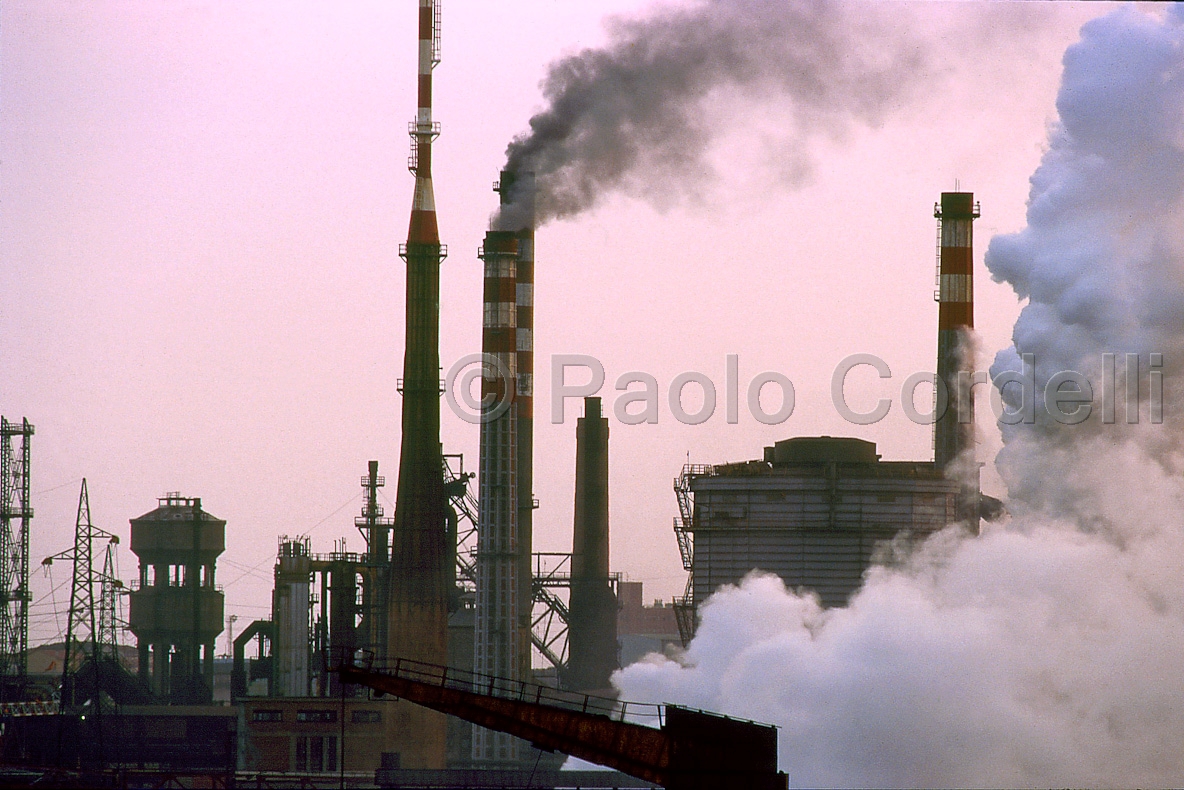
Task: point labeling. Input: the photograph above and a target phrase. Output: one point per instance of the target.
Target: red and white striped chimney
(424, 130)
(497, 646)
(953, 436)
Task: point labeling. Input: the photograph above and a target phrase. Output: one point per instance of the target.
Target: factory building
(642, 629)
(817, 511)
(306, 736)
(814, 511)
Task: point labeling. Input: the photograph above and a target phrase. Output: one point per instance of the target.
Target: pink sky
(202, 203)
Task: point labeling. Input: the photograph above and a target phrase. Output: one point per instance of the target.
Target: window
(316, 715)
(316, 753)
(267, 715)
(366, 716)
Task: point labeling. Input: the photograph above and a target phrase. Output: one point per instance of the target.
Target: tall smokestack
(517, 190)
(592, 625)
(419, 578)
(497, 645)
(953, 435)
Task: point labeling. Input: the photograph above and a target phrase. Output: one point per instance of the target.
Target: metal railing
(644, 713)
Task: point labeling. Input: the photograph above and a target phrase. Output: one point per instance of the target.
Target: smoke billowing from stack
(497, 641)
(592, 627)
(953, 433)
(634, 116)
(420, 578)
(1050, 650)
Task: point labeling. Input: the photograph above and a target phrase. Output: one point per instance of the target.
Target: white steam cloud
(1049, 651)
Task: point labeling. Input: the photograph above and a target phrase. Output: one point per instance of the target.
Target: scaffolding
(552, 570)
(685, 608)
(16, 511)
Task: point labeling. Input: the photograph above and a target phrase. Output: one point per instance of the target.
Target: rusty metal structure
(687, 750)
(420, 578)
(592, 624)
(176, 609)
(953, 434)
(16, 513)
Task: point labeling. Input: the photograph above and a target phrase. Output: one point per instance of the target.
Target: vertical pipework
(592, 629)
(418, 580)
(375, 590)
(518, 188)
(953, 439)
(343, 589)
(291, 599)
(496, 646)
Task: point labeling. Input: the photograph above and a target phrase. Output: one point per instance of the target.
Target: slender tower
(592, 625)
(16, 513)
(419, 579)
(953, 435)
(516, 190)
(496, 644)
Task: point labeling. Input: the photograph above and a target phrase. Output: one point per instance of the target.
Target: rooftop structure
(813, 510)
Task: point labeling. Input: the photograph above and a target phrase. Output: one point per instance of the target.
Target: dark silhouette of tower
(16, 511)
(420, 578)
(592, 628)
(176, 613)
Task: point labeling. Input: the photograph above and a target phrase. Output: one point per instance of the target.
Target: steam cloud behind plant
(1049, 651)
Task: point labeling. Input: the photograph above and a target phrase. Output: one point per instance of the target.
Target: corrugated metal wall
(814, 526)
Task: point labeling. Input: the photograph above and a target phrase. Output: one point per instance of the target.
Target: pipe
(238, 672)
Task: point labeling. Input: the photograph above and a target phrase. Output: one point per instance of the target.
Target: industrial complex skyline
(203, 211)
(713, 236)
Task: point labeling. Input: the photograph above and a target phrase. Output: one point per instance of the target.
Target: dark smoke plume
(636, 115)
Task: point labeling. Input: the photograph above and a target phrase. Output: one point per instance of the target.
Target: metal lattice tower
(110, 614)
(16, 511)
(88, 620)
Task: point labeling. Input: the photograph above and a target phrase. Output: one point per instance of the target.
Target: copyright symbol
(460, 380)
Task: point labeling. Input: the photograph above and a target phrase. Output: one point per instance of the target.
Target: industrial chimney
(497, 647)
(516, 191)
(592, 625)
(420, 579)
(953, 437)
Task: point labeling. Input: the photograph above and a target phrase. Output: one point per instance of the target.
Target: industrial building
(817, 511)
(813, 510)
(642, 629)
